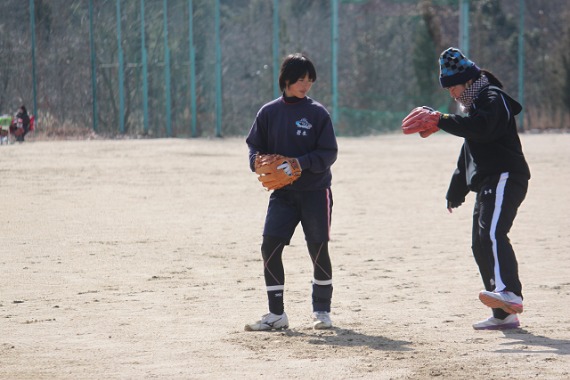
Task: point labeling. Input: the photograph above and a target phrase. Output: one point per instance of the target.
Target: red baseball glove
(276, 171)
(423, 120)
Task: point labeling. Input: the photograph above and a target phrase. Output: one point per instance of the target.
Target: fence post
(93, 68)
(276, 89)
(121, 73)
(167, 71)
(192, 67)
(218, 72)
(334, 49)
(521, 62)
(33, 32)
(464, 26)
(144, 68)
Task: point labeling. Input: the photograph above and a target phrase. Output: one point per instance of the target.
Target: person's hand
(423, 120)
(453, 204)
(276, 171)
(288, 168)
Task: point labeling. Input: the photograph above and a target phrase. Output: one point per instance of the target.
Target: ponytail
(493, 80)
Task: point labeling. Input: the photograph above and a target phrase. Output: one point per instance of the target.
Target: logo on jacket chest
(303, 126)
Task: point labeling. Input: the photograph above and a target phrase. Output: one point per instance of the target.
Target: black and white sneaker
(269, 322)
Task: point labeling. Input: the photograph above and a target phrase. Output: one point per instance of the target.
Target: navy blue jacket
(303, 130)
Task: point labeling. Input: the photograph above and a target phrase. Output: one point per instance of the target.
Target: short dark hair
(294, 67)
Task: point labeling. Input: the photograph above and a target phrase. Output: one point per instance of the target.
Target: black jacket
(25, 120)
(492, 145)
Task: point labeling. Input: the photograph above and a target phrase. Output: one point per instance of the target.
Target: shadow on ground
(528, 339)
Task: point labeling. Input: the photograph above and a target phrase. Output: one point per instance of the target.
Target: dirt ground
(139, 259)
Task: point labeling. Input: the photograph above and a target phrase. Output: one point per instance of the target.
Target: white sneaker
(268, 322)
(508, 301)
(511, 322)
(322, 320)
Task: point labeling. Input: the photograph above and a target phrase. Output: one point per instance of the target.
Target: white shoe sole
(269, 328)
(495, 303)
(500, 326)
(319, 325)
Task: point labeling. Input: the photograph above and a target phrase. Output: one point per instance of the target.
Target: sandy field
(140, 259)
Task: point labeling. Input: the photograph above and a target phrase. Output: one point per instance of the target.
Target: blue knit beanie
(455, 68)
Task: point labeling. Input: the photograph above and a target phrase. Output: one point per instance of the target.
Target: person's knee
(321, 260)
(270, 246)
(316, 248)
(484, 236)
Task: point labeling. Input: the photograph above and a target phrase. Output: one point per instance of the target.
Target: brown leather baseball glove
(276, 171)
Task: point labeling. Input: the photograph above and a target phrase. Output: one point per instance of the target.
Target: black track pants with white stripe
(495, 210)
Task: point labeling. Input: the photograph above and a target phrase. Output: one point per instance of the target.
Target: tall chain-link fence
(204, 67)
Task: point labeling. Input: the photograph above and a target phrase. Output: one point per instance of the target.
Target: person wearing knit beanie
(492, 165)
(455, 68)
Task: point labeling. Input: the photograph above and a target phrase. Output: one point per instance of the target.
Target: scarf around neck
(467, 97)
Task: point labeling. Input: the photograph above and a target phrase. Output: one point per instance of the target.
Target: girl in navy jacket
(296, 126)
